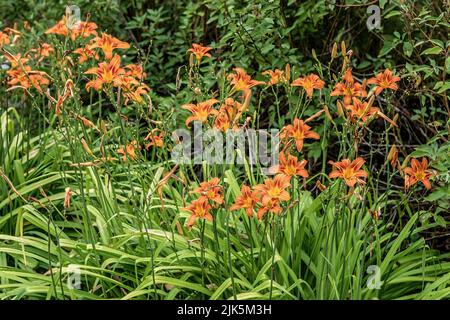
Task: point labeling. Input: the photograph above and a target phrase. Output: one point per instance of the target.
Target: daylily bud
(287, 72)
(340, 109)
(393, 156)
(343, 49)
(334, 51)
(104, 127)
(86, 147)
(191, 60)
(327, 112)
(395, 118)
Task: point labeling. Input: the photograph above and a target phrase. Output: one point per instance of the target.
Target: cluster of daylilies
(95, 49)
(273, 195)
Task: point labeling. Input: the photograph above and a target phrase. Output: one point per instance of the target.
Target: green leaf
(433, 50)
(407, 48)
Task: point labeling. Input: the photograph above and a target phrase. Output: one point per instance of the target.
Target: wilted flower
(67, 197)
(155, 139)
(128, 151)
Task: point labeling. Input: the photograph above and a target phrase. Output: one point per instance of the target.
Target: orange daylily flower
(45, 50)
(246, 200)
(349, 88)
(211, 189)
(384, 80)
(4, 39)
(84, 30)
(199, 51)
(299, 131)
(360, 110)
(228, 115)
(418, 172)
(107, 73)
(272, 206)
(274, 189)
(156, 139)
(59, 28)
(200, 111)
(290, 166)
(135, 71)
(276, 76)
(24, 77)
(199, 209)
(108, 43)
(309, 83)
(393, 156)
(135, 94)
(129, 151)
(9, 32)
(348, 170)
(272, 192)
(241, 81)
(85, 54)
(16, 60)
